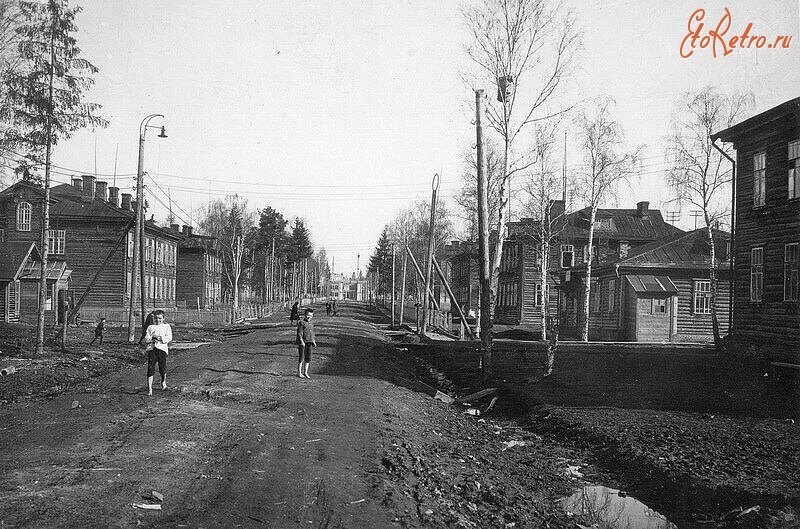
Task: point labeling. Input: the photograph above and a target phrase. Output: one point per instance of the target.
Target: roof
(681, 250)
(205, 243)
(647, 284)
(789, 107)
(55, 270)
(67, 202)
(624, 224)
(15, 254)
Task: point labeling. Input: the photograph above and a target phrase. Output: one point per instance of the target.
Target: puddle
(606, 508)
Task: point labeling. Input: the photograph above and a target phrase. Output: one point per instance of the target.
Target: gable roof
(647, 284)
(681, 250)
(13, 256)
(786, 108)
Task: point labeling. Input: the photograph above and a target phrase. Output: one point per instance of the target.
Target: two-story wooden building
(766, 234)
(93, 232)
(199, 281)
(521, 294)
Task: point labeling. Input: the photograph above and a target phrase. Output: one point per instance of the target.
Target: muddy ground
(238, 441)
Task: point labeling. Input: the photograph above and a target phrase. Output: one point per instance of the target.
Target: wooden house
(766, 233)
(199, 270)
(521, 294)
(461, 268)
(660, 292)
(20, 270)
(94, 233)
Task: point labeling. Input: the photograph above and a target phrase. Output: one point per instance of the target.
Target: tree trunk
(544, 269)
(46, 205)
(587, 288)
(712, 277)
(483, 242)
(502, 220)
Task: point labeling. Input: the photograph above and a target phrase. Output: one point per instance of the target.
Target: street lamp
(138, 233)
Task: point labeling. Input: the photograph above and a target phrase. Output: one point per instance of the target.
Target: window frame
(54, 236)
(24, 214)
(567, 248)
(660, 303)
(793, 176)
(759, 179)
(791, 272)
(756, 274)
(701, 295)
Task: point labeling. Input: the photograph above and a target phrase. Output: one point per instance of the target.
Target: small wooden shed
(651, 308)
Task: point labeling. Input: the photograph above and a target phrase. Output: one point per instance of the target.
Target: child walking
(157, 337)
(98, 331)
(305, 340)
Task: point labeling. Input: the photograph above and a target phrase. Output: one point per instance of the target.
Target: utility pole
(272, 272)
(429, 264)
(403, 288)
(483, 242)
(137, 257)
(393, 285)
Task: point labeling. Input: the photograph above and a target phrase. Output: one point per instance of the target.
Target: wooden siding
(772, 321)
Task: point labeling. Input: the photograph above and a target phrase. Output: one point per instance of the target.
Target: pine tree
(43, 103)
(380, 263)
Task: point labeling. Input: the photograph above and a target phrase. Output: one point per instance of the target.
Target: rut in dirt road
(240, 441)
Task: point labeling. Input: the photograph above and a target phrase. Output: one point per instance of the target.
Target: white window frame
(567, 248)
(759, 179)
(793, 180)
(56, 242)
(757, 274)
(791, 271)
(24, 216)
(538, 295)
(660, 303)
(701, 296)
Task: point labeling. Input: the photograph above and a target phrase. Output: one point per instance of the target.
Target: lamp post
(137, 260)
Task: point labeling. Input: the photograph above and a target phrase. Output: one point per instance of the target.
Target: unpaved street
(238, 441)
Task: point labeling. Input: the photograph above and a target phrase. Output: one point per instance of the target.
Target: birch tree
(466, 198)
(230, 221)
(606, 164)
(543, 185)
(525, 49)
(698, 173)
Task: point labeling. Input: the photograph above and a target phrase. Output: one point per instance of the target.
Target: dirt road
(238, 441)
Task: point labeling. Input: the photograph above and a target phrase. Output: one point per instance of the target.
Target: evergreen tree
(43, 102)
(380, 263)
(299, 242)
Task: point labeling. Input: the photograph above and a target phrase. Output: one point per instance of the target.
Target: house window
(595, 299)
(702, 297)
(612, 291)
(794, 169)
(2, 235)
(756, 274)
(791, 277)
(658, 306)
(567, 255)
(55, 241)
(537, 294)
(24, 216)
(759, 179)
(586, 253)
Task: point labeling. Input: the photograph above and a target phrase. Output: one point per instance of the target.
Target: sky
(341, 112)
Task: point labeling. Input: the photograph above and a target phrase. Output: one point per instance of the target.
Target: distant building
(199, 270)
(20, 270)
(462, 271)
(766, 234)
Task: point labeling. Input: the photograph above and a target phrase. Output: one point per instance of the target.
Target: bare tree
(466, 198)
(697, 171)
(230, 221)
(606, 165)
(530, 45)
(543, 185)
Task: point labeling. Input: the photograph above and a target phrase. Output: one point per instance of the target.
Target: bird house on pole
(505, 84)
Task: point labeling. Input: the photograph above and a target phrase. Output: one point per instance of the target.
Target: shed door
(654, 319)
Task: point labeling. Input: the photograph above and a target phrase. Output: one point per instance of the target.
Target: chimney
(642, 208)
(88, 187)
(101, 190)
(113, 196)
(126, 202)
(175, 227)
(77, 183)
